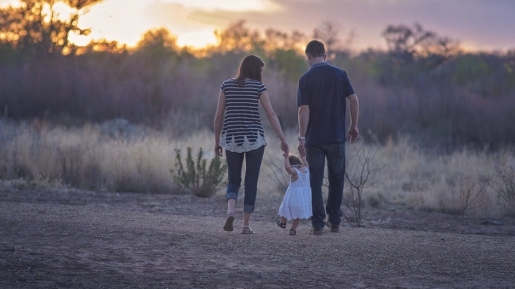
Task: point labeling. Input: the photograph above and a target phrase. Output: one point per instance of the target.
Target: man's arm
(354, 116)
(303, 116)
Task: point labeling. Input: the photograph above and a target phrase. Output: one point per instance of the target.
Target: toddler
(296, 203)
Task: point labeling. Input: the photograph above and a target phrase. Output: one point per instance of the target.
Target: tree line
(423, 85)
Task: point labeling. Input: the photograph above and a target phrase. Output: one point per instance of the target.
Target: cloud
(482, 24)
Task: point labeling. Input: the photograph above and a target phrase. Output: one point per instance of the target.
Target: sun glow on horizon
(7, 3)
(228, 5)
(126, 24)
(114, 20)
(197, 39)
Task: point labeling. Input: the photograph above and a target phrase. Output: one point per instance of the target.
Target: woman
(242, 135)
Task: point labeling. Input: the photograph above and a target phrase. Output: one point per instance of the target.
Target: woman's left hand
(284, 147)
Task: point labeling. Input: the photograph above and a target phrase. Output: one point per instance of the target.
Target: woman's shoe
(228, 222)
(293, 232)
(247, 230)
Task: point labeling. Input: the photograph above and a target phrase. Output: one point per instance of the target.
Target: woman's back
(242, 128)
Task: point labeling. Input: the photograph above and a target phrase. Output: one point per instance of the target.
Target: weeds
(139, 159)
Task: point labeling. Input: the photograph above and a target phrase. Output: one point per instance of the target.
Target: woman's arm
(219, 115)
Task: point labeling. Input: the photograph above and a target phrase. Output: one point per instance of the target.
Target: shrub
(195, 177)
(71, 163)
(505, 188)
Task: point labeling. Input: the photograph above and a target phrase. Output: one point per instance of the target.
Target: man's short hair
(315, 48)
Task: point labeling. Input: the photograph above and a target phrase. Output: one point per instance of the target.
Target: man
(321, 98)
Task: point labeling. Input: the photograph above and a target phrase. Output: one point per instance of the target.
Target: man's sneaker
(334, 228)
(314, 231)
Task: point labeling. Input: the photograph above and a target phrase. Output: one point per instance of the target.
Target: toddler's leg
(295, 223)
(282, 222)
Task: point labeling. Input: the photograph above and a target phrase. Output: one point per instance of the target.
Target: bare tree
(407, 43)
(471, 193)
(505, 187)
(36, 28)
(330, 34)
(359, 174)
(238, 38)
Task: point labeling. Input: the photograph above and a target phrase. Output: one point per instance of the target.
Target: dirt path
(89, 240)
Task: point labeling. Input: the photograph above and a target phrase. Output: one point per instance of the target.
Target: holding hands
(285, 148)
(302, 147)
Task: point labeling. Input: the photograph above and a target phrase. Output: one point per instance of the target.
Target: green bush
(195, 177)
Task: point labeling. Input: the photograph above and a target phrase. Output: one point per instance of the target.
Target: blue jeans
(316, 156)
(253, 161)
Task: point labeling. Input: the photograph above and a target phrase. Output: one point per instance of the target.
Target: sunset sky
(477, 24)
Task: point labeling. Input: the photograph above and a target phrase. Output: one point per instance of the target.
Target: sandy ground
(70, 239)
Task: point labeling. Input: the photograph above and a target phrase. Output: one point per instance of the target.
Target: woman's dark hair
(315, 48)
(294, 160)
(250, 67)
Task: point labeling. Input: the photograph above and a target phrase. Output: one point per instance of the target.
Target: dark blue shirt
(325, 89)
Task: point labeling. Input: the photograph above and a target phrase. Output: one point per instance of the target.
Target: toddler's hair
(294, 160)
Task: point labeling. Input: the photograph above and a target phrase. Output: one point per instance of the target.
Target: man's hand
(353, 133)
(302, 148)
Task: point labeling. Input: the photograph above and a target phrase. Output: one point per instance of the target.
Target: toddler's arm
(304, 161)
(287, 166)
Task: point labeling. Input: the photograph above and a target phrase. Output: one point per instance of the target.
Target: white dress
(297, 199)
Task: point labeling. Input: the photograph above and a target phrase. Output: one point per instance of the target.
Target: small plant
(196, 177)
(359, 175)
(505, 187)
(471, 193)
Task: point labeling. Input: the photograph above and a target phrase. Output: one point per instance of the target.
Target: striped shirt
(242, 130)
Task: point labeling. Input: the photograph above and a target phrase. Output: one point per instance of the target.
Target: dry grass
(120, 157)
(440, 182)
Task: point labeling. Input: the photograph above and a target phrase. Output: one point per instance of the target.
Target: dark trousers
(316, 157)
(253, 161)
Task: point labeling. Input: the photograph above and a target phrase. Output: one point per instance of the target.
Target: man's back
(325, 88)
(321, 98)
